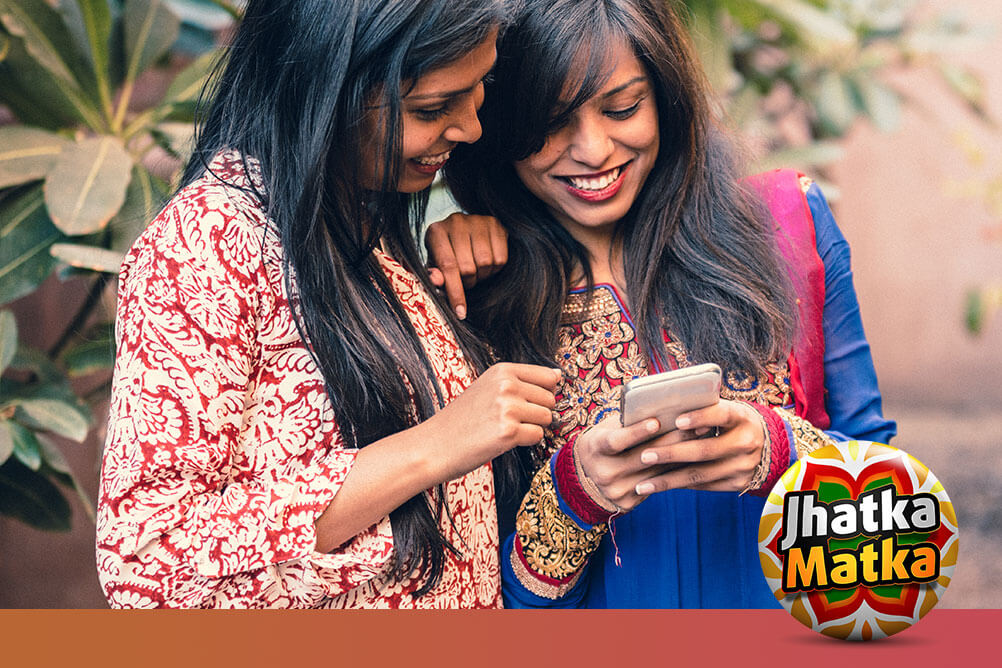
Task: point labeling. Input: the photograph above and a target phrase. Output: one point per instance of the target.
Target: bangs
(574, 39)
(581, 77)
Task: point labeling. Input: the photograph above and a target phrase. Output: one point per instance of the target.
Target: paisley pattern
(557, 551)
(222, 449)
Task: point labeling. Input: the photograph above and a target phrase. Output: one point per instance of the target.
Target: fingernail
(652, 426)
(683, 422)
(560, 374)
(461, 312)
(645, 488)
(648, 457)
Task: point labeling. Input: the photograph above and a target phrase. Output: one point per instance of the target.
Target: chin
(413, 186)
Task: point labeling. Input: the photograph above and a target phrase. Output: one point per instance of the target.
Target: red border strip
(499, 638)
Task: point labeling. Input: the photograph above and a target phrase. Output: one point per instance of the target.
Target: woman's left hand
(724, 462)
(462, 250)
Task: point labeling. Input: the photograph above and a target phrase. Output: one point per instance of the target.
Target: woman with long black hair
(296, 420)
(634, 247)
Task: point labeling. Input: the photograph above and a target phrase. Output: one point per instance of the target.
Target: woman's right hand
(608, 456)
(506, 407)
(464, 249)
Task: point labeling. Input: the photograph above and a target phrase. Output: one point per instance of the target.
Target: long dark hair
(699, 252)
(298, 80)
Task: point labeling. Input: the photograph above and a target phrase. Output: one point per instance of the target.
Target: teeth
(434, 160)
(598, 183)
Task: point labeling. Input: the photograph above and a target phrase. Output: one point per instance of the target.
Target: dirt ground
(964, 450)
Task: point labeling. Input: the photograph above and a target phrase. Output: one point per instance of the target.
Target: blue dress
(696, 549)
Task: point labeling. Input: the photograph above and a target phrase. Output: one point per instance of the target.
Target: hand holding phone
(668, 395)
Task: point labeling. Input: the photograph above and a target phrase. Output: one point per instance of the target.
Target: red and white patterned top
(222, 449)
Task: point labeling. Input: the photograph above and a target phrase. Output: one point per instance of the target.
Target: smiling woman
(296, 420)
(635, 248)
(439, 112)
(590, 171)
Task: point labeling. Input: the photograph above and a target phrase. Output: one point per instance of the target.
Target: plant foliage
(77, 185)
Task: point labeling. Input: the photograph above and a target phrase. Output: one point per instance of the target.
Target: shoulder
(793, 198)
(216, 223)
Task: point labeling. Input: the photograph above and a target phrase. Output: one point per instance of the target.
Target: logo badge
(858, 540)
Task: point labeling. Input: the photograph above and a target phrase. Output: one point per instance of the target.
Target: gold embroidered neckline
(579, 308)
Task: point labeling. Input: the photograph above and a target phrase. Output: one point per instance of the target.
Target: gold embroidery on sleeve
(806, 437)
(552, 543)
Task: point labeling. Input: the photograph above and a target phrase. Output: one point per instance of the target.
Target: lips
(430, 164)
(596, 187)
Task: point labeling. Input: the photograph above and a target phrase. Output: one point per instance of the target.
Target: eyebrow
(447, 94)
(451, 93)
(622, 87)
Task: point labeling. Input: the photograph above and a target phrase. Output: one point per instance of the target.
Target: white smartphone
(667, 395)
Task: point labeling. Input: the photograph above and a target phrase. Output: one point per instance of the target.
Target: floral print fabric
(222, 449)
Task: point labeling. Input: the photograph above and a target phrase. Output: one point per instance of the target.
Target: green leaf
(982, 305)
(93, 258)
(86, 187)
(27, 154)
(26, 447)
(968, 85)
(54, 464)
(90, 23)
(151, 27)
(974, 312)
(6, 441)
(34, 95)
(229, 7)
(44, 34)
(32, 498)
(814, 27)
(95, 353)
(835, 105)
(8, 339)
(49, 42)
(52, 415)
(35, 361)
(58, 390)
(26, 234)
(143, 200)
(710, 39)
(188, 84)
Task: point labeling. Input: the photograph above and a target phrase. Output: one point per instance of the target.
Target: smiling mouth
(597, 187)
(434, 160)
(430, 164)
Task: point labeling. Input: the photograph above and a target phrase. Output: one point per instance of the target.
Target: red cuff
(570, 489)
(779, 448)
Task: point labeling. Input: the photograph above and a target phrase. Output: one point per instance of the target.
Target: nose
(590, 143)
(465, 125)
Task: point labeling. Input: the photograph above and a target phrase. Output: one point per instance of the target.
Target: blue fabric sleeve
(852, 398)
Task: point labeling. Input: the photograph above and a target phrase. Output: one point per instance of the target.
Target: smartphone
(667, 395)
